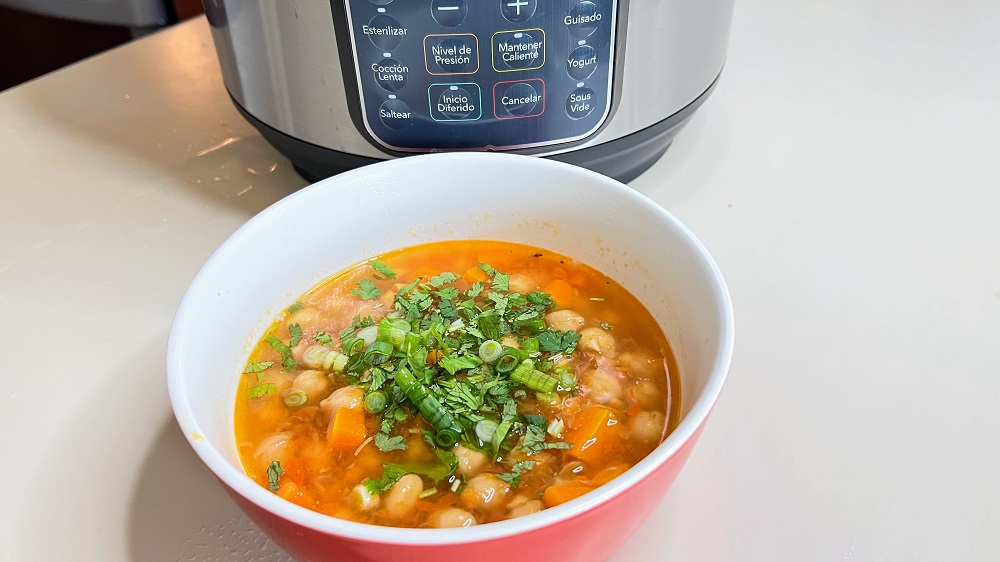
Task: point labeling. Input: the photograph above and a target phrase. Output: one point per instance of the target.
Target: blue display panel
(482, 74)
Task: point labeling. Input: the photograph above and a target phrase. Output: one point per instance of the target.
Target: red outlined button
(517, 99)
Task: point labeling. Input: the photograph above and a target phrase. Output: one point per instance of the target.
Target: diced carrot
(562, 292)
(593, 432)
(347, 429)
(295, 469)
(609, 474)
(559, 494)
(434, 355)
(475, 275)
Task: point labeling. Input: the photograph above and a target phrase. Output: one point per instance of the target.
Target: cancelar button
(455, 102)
(519, 98)
(451, 54)
(523, 49)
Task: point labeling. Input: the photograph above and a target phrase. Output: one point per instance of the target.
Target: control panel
(482, 74)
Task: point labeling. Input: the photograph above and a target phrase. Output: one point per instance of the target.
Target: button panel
(426, 68)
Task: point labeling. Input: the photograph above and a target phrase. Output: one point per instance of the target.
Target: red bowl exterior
(592, 535)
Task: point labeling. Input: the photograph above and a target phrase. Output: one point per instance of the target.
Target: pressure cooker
(337, 84)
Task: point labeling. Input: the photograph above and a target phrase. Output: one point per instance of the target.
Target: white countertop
(844, 174)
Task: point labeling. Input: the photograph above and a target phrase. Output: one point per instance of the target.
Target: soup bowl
(324, 228)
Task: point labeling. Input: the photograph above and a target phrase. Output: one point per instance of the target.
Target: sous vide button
(580, 103)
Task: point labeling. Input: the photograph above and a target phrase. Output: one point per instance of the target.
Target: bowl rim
(237, 480)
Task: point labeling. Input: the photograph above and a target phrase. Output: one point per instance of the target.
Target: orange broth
(620, 406)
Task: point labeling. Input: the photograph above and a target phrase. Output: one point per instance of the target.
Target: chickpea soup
(453, 384)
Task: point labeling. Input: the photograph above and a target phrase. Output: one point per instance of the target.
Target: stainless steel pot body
(309, 69)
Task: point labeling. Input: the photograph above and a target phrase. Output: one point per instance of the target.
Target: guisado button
(395, 114)
(455, 102)
(584, 18)
(517, 99)
(385, 32)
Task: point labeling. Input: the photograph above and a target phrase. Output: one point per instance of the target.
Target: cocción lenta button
(455, 102)
(451, 54)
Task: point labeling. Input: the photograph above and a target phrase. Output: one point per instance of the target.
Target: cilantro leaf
(501, 281)
(296, 334)
(447, 293)
(297, 306)
(606, 326)
(287, 362)
(443, 279)
(536, 419)
(514, 476)
(454, 364)
(274, 472)
(541, 299)
(488, 269)
(386, 443)
(367, 290)
(258, 366)
(474, 291)
(383, 269)
(554, 341)
(261, 390)
(323, 338)
(499, 300)
(391, 473)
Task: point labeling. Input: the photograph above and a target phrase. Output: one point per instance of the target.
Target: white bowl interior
(338, 222)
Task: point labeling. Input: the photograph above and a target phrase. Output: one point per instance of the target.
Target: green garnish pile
(470, 390)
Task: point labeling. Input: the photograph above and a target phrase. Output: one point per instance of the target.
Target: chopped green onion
(393, 332)
(434, 412)
(530, 345)
(378, 353)
(335, 362)
(315, 355)
(485, 430)
(376, 401)
(526, 374)
(550, 398)
(508, 360)
(566, 379)
(427, 493)
(531, 327)
(446, 438)
(490, 351)
(352, 345)
(555, 427)
(369, 334)
(296, 398)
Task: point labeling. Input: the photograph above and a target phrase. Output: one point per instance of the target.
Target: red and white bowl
(306, 237)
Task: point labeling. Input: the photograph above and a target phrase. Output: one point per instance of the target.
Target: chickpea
(402, 498)
(527, 508)
(271, 448)
(646, 427)
(486, 492)
(349, 397)
(470, 462)
(520, 283)
(314, 383)
(602, 385)
(597, 340)
(647, 395)
(564, 320)
(453, 518)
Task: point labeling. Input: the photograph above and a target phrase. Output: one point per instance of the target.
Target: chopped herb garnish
(383, 269)
(443, 279)
(514, 476)
(297, 306)
(597, 299)
(367, 290)
(261, 390)
(279, 346)
(295, 331)
(386, 443)
(391, 473)
(274, 472)
(323, 338)
(606, 326)
(554, 341)
(258, 367)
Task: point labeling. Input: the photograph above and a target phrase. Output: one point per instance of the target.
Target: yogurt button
(582, 62)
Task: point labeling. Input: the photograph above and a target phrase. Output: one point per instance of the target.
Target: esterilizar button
(395, 114)
(455, 102)
(451, 54)
(582, 62)
(384, 31)
(519, 98)
(580, 103)
(523, 49)
(583, 18)
(449, 13)
(390, 74)
(518, 10)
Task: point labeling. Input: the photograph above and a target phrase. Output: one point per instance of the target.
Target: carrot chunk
(593, 432)
(475, 275)
(559, 494)
(562, 292)
(347, 429)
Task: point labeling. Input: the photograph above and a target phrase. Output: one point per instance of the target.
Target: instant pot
(337, 84)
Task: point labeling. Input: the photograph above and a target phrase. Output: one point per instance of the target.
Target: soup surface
(454, 384)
